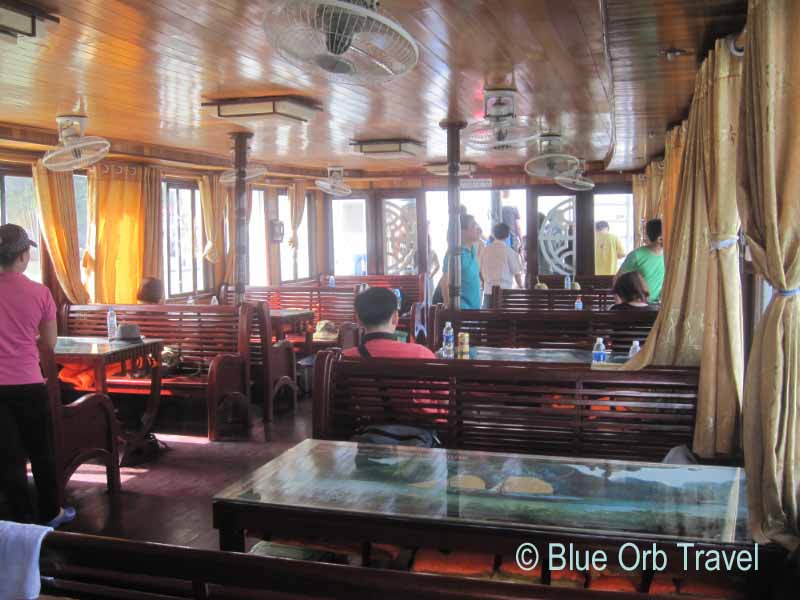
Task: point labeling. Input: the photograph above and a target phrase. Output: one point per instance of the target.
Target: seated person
(631, 293)
(376, 309)
(648, 260)
(151, 291)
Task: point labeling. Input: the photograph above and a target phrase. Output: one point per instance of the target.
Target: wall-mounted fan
(352, 41)
(500, 129)
(550, 159)
(76, 151)
(465, 169)
(251, 173)
(334, 185)
(575, 180)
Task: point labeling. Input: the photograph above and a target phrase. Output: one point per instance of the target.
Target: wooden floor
(169, 500)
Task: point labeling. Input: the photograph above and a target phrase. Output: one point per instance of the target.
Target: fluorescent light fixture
(19, 18)
(388, 148)
(296, 108)
(465, 169)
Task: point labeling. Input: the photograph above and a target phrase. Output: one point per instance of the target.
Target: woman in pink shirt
(27, 325)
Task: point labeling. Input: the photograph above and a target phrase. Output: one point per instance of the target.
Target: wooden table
(98, 353)
(419, 497)
(287, 320)
(542, 355)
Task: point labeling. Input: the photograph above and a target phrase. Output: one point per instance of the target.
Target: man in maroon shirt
(376, 309)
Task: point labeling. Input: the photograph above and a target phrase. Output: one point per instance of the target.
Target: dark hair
(600, 225)
(501, 231)
(630, 287)
(151, 291)
(466, 221)
(376, 306)
(653, 229)
(9, 258)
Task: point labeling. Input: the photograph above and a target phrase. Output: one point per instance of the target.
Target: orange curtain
(213, 197)
(673, 157)
(117, 219)
(769, 203)
(153, 259)
(55, 196)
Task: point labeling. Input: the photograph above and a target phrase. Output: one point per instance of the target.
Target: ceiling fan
(575, 180)
(251, 173)
(75, 151)
(550, 160)
(352, 41)
(334, 185)
(500, 129)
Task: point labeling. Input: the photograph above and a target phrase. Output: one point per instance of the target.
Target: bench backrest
(411, 286)
(567, 410)
(545, 329)
(199, 332)
(555, 299)
(588, 282)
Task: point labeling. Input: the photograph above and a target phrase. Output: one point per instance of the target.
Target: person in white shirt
(500, 264)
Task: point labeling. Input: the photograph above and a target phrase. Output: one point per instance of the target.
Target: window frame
(369, 230)
(178, 184)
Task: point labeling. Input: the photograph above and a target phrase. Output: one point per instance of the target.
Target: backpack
(397, 435)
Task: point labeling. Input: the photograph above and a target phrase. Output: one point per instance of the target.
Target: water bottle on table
(331, 281)
(578, 303)
(448, 349)
(599, 351)
(111, 323)
(635, 347)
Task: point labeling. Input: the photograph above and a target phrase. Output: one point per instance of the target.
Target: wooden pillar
(240, 139)
(454, 209)
(532, 227)
(584, 234)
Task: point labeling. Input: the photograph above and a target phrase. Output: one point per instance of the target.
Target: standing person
(510, 216)
(470, 272)
(500, 265)
(648, 260)
(433, 269)
(607, 250)
(27, 327)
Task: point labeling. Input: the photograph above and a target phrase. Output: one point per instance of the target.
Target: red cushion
(465, 564)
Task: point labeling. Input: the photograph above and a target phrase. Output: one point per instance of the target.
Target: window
(400, 236)
(183, 239)
(18, 206)
(300, 268)
(258, 239)
(349, 219)
(514, 210)
(556, 235)
(617, 211)
(81, 186)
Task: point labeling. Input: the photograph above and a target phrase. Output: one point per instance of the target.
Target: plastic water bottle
(599, 351)
(331, 281)
(567, 282)
(448, 346)
(578, 303)
(399, 296)
(635, 347)
(214, 301)
(111, 323)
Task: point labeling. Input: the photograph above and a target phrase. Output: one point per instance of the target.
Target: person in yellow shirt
(607, 250)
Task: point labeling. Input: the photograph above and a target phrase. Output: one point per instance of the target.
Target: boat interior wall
(141, 71)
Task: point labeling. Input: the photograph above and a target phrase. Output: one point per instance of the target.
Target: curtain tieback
(722, 243)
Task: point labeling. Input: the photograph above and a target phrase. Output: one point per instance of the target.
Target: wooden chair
(84, 430)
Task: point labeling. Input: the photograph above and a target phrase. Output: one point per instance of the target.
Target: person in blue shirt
(470, 270)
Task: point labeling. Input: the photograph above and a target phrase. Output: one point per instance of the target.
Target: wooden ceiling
(141, 69)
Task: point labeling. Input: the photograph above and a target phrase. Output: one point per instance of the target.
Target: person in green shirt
(648, 260)
(470, 272)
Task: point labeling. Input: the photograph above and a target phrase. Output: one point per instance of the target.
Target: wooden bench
(567, 410)
(588, 282)
(544, 328)
(555, 299)
(212, 342)
(411, 286)
(84, 566)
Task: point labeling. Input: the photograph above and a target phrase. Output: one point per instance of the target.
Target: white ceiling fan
(575, 180)
(76, 151)
(251, 174)
(352, 41)
(500, 129)
(551, 160)
(334, 185)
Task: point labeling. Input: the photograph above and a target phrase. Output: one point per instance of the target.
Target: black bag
(397, 435)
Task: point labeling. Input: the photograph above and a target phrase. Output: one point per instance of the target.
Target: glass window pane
(436, 208)
(303, 248)
(81, 186)
(400, 236)
(286, 252)
(478, 203)
(556, 235)
(514, 213)
(349, 236)
(21, 210)
(617, 211)
(258, 239)
(173, 232)
(199, 245)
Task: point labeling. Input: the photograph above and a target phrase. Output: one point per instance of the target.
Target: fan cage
(80, 154)
(229, 177)
(486, 136)
(575, 183)
(350, 41)
(334, 188)
(551, 165)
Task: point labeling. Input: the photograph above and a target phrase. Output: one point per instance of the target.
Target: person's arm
(620, 249)
(48, 332)
(515, 265)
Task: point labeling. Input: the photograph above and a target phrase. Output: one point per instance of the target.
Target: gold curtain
(213, 197)
(58, 221)
(297, 205)
(769, 180)
(230, 212)
(640, 189)
(673, 157)
(722, 364)
(153, 259)
(117, 217)
(655, 175)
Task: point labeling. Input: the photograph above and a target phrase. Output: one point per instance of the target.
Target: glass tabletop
(542, 355)
(623, 498)
(290, 312)
(95, 346)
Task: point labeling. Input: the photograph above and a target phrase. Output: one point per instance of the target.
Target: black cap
(14, 239)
